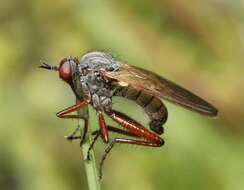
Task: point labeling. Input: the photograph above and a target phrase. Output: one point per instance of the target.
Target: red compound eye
(65, 71)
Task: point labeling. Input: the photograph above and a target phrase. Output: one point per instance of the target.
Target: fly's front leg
(65, 115)
(73, 136)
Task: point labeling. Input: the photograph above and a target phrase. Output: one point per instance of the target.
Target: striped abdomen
(152, 105)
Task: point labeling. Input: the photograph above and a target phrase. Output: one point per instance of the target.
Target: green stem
(90, 165)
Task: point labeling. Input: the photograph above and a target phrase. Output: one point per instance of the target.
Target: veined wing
(156, 85)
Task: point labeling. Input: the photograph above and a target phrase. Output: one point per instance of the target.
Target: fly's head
(66, 69)
(69, 72)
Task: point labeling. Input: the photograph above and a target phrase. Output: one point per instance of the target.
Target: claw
(88, 157)
(71, 138)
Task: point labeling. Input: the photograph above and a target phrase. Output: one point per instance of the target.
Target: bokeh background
(198, 44)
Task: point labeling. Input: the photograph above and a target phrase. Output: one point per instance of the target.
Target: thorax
(90, 68)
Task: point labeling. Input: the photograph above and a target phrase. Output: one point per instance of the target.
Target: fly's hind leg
(125, 141)
(97, 133)
(146, 138)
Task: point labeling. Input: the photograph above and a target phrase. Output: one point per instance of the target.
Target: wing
(156, 85)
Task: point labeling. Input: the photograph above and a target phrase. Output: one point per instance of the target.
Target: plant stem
(90, 165)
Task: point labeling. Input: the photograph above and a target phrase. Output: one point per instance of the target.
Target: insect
(97, 77)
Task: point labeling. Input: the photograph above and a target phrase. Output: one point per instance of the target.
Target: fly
(97, 77)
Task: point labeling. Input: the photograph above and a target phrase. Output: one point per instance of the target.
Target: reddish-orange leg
(63, 114)
(82, 104)
(97, 133)
(150, 139)
(79, 105)
(103, 127)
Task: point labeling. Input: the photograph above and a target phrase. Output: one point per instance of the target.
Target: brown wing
(156, 85)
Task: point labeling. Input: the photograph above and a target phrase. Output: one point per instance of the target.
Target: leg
(125, 141)
(117, 130)
(110, 128)
(151, 139)
(79, 105)
(72, 135)
(63, 114)
(92, 144)
(85, 131)
(103, 127)
(135, 128)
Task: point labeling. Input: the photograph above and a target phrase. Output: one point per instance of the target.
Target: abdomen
(152, 105)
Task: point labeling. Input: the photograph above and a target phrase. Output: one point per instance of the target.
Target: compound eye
(65, 71)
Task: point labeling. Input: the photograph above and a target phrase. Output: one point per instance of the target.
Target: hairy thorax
(100, 91)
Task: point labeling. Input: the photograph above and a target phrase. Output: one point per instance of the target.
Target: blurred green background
(198, 44)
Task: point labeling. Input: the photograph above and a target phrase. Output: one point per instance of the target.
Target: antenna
(48, 67)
